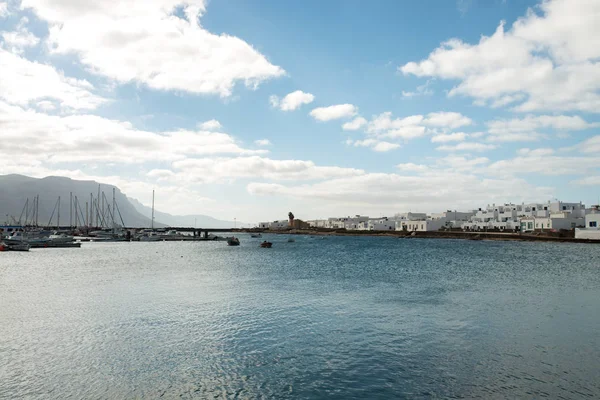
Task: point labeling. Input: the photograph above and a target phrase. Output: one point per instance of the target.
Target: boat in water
(291, 240)
(255, 235)
(150, 237)
(19, 247)
(233, 241)
(61, 237)
(266, 244)
(18, 238)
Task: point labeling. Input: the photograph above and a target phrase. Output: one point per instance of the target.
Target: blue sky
(453, 104)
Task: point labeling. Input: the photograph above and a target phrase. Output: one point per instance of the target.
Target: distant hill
(15, 189)
(200, 221)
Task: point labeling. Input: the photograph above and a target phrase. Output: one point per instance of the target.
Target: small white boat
(150, 237)
(57, 237)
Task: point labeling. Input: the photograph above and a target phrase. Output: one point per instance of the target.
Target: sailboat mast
(58, 217)
(113, 211)
(70, 209)
(91, 218)
(26, 211)
(152, 210)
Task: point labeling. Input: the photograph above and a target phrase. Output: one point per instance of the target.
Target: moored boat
(255, 235)
(60, 237)
(233, 241)
(19, 247)
(266, 244)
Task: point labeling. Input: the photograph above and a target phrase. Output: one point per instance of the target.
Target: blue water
(340, 317)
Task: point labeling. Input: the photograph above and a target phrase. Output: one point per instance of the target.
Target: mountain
(16, 189)
(199, 221)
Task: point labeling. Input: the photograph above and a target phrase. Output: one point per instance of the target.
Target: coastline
(493, 236)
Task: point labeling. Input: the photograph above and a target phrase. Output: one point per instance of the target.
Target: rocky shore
(562, 237)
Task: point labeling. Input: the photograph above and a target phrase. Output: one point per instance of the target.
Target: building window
(564, 208)
(593, 224)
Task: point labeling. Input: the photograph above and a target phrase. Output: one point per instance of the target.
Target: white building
(381, 224)
(357, 222)
(592, 226)
(318, 223)
(554, 221)
(410, 216)
(421, 225)
(283, 224)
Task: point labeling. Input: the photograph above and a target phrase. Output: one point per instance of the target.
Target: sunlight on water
(340, 318)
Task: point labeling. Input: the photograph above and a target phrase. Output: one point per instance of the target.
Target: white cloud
(87, 138)
(385, 146)
(515, 137)
(422, 90)
(591, 145)
(23, 81)
(450, 120)
(355, 124)
(160, 174)
(17, 41)
(524, 129)
(119, 39)
(549, 60)
(532, 123)
(470, 146)
(374, 144)
(292, 101)
(506, 100)
(451, 137)
(262, 142)
(384, 122)
(414, 125)
(3, 9)
(406, 132)
(222, 169)
(274, 101)
(544, 164)
(460, 163)
(411, 167)
(334, 112)
(588, 181)
(210, 125)
(46, 105)
(379, 192)
(535, 152)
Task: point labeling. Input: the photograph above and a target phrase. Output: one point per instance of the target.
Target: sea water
(340, 317)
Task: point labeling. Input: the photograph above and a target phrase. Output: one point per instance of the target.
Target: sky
(249, 109)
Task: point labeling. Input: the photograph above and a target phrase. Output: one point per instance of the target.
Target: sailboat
(148, 235)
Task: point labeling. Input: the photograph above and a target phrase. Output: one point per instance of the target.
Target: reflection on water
(341, 318)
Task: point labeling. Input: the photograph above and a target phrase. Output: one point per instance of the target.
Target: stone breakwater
(562, 237)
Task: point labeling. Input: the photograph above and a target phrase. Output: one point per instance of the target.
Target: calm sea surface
(339, 318)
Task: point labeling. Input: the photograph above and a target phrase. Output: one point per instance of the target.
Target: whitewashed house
(381, 224)
(277, 225)
(592, 226)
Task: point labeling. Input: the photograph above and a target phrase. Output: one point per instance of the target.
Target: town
(523, 218)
